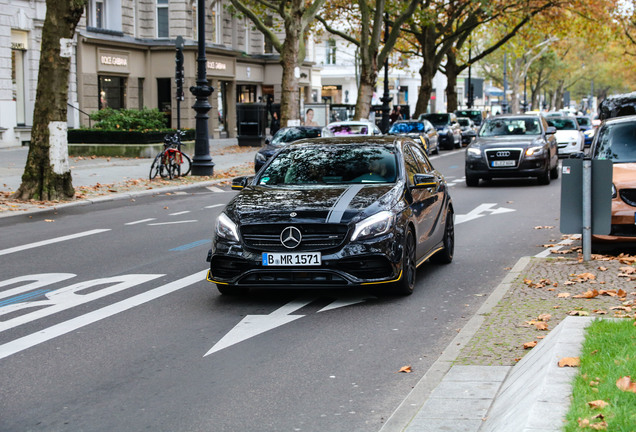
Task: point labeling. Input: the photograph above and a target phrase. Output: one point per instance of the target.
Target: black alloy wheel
(445, 256)
(472, 180)
(409, 269)
(554, 172)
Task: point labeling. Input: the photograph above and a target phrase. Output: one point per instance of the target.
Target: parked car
(450, 133)
(588, 129)
(283, 137)
(477, 116)
(337, 213)
(469, 130)
(351, 127)
(421, 131)
(513, 146)
(616, 140)
(569, 137)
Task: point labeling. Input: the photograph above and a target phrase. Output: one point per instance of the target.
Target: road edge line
(404, 414)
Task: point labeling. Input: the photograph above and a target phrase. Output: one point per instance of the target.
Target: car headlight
(261, 157)
(373, 226)
(589, 133)
(534, 151)
(225, 228)
(474, 151)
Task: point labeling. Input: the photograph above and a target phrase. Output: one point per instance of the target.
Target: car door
(426, 201)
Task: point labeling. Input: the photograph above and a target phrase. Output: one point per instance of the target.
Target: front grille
(293, 277)
(315, 237)
(628, 196)
(503, 158)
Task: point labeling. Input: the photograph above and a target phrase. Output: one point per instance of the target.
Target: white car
(570, 138)
(351, 127)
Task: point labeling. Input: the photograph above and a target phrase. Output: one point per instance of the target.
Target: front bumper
(526, 167)
(623, 228)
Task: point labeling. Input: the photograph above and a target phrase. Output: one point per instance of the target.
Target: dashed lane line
(50, 241)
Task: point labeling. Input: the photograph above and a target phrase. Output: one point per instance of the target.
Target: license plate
(504, 163)
(292, 259)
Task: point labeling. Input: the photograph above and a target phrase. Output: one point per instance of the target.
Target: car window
(424, 163)
(438, 119)
(616, 142)
(288, 135)
(563, 123)
(333, 164)
(349, 129)
(411, 165)
(463, 122)
(407, 127)
(584, 121)
(510, 126)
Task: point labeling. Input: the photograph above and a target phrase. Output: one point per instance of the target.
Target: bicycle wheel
(170, 166)
(155, 168)
(186, 164)
(163, 168)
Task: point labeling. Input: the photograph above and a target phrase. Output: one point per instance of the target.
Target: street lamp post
(202, 164)
(469, 105)
(504, 103)
(385, 98)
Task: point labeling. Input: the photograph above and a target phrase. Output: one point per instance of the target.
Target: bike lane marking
(172, 223)
(140, 221)
(71, 325)
(51, 241)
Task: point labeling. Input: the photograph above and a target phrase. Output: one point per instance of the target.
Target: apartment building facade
(124, 57)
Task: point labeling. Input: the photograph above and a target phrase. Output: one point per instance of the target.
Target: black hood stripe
(342, 203)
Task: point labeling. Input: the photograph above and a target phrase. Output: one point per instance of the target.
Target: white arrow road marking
(480, 211)
(347, 301)
(50, 241)
(73, 324)
(253, 325)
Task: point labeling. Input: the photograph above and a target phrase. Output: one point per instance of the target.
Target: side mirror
(425, 180)
(267, 141)
(551, 130)
(239, 183)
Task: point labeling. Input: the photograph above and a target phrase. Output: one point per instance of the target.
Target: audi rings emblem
(503, 154)
(290, 237)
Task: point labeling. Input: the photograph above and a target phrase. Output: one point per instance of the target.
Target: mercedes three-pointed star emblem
(290, 237)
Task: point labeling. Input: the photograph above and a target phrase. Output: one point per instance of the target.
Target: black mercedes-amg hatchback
(334, 212)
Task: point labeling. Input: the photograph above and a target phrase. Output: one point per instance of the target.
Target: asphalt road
(107, 323)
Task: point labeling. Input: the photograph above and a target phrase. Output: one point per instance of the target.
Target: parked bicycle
(171, 162)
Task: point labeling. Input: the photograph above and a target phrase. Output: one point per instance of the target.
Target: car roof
(351, 122)
(350, 140)
(513, 116)
(624, 119)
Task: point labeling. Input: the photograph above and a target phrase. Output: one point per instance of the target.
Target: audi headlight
(474, 151)
(225, 228)
(534, 151)
(373, 226)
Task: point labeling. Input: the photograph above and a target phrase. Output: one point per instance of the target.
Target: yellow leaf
(406, 369)
(626, 384)
(569, 362)
(598, 404)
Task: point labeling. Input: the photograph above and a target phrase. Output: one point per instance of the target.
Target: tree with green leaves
(296, 17)
(47, 175)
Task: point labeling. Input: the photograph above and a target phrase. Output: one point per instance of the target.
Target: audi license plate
(292, 259)
(504, 163)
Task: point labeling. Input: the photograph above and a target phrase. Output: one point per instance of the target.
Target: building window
(163, 24)
(214, 20)
(330, 52)
(112, 92)
(246, 93)
(97, 14)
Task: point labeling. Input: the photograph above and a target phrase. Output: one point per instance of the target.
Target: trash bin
(251, 124)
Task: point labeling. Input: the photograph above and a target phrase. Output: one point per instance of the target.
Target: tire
(544, 179)
(472, 180)
(230, 290)
(155, 167)
(437, 149)
(170, 166)
(406, 284)
(554, 172)
(186, 164)
(445, 256)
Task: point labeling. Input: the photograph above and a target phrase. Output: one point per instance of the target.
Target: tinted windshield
(349, 129)
(288, 135)
(438, 119)
(616, 142)
(510, 126)
(563, 123)
(410, 127)
(333, 164)
(463, 122)
(474, 115)
(584, 121)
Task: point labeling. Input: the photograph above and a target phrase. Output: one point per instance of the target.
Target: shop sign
(220, 66)
(110, 61)
(215, 65)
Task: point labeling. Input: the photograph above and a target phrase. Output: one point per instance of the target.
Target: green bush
(129, 120)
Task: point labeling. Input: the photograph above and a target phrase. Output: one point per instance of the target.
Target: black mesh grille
(366, 267)
(497, 156)
(315, 237)
(227, 268)
(629, 196)
(292, 277)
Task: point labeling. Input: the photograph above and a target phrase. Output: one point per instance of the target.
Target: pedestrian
(395, 114)
(275, 124)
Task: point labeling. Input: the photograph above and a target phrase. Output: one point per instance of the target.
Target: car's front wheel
(445, 256)
(554, 172)
(544, 179)
(409, 269)
(472, 180)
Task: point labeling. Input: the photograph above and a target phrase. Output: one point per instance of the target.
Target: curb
(116, 197)
(410, 406)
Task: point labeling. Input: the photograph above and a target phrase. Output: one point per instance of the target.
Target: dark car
(469, 131)
(334, 212)
(477, 116)
(588, 129)
(450, 133)
(283, 137)
(513, 146)
(421, 131)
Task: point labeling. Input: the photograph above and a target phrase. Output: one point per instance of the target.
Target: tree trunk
(451, 86)
(289, 109)
(47, 175)
(368, 80)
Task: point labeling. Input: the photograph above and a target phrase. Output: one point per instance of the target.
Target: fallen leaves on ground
(570, 362)
(405, 369)
(626, 384)
(598, 404)
(529, 345)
